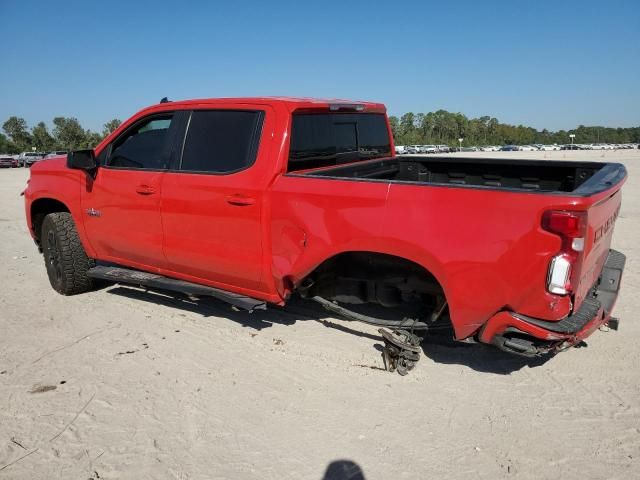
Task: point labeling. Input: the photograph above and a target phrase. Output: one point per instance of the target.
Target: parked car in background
(36, 158)
(527, 148)
(569, 146)
(429, 149)
(443, 148)
(411, 149)
(469, 149)
(26, 159)
(490, 148)
(55, 154)
(400, 149)
(549, 148)
(7, 161)
(509, 148)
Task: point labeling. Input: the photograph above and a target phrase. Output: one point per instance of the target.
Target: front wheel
(66, 261)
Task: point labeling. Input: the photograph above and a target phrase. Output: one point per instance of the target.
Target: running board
(152, 280)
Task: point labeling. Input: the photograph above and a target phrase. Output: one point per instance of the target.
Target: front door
(121, 205)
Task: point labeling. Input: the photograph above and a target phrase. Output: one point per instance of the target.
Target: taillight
(564, 269)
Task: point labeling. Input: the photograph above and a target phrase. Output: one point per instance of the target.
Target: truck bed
(577, 178)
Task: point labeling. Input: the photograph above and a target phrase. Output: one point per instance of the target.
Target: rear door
(122, 204)
(212, 203)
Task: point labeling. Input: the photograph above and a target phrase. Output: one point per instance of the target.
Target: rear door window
(326, 139)
(221, 141)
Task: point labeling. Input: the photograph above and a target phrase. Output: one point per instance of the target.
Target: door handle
(145, 190)
(240, 200)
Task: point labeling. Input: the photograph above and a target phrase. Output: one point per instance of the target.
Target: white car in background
(490, 148)
(428, 149)
(549, 148)
(57, 153)
(26, 159)
(443, 148)
(527, 148)
(400, 149)
(598, 146)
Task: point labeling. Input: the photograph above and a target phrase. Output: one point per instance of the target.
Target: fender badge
(92, 212)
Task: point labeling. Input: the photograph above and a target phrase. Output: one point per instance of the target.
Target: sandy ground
(119, 383)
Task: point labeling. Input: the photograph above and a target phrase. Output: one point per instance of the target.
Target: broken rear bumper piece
(529, 336)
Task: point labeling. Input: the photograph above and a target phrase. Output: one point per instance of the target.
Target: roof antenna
(164, 100)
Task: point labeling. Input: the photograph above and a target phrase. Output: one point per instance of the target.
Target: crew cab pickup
(253, 200)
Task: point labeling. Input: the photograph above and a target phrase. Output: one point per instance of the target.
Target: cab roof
(291, 103)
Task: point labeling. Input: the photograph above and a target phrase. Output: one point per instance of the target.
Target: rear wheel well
(370, 279)
(40, 209)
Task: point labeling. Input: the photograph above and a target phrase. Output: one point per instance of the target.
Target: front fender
(52, 180)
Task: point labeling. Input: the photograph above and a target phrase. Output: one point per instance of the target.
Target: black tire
(66, 261)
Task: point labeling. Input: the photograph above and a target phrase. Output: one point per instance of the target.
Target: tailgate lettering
(608, 225)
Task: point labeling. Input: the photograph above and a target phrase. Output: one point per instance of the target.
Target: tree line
(439, 128)
(67, 134)
(445, 128)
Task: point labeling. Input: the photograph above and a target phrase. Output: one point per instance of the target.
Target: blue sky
(550, 64)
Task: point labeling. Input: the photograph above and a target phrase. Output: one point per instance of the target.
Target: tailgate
(601, 218)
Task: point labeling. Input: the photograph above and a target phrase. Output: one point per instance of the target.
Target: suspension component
(401, 350)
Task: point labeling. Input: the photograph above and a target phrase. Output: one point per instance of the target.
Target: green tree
(92, 139)
(446, 127)
(110, 127)
(395, 124)
(7, 146)
(16, 129)
(42, 140)
(68, 133)
(407, 132)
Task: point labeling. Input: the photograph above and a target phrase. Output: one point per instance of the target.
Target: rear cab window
(329, 139)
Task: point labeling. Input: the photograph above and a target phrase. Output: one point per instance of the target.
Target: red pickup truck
(251, 200)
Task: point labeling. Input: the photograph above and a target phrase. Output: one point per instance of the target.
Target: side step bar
(136, 277)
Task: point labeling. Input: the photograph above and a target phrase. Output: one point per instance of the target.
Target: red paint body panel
(213, 223)
(127, 226)
(52, 180)
(260, 231)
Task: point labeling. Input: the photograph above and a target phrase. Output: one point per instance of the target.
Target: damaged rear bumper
(529, 336)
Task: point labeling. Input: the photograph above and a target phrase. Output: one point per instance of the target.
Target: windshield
(326, 139)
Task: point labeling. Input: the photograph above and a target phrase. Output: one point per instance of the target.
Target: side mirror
(82, 160)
